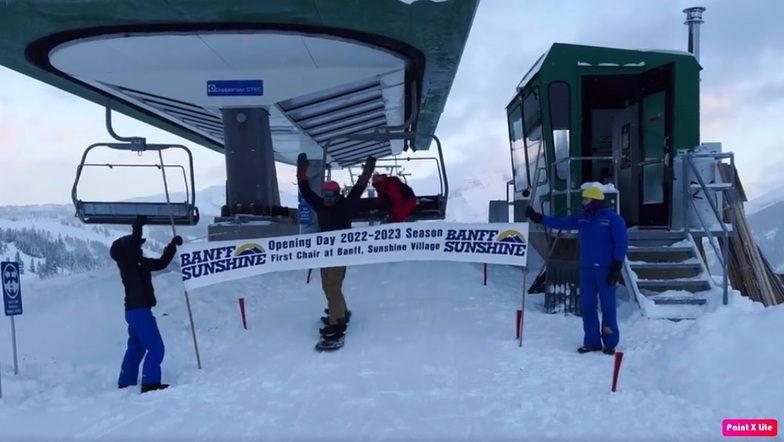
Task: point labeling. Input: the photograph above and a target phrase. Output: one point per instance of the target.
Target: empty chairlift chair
(181, 213)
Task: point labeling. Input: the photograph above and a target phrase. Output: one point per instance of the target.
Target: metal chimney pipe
(693, 21)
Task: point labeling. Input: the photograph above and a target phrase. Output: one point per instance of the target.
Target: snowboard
(329, 345)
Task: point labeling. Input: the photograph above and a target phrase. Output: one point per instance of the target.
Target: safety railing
(708, 190)
(571, 189)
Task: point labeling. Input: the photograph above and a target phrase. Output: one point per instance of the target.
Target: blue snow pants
(593, 286)
(143, 337)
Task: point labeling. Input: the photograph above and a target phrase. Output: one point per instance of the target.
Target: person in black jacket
(334, 212)
(143, 334)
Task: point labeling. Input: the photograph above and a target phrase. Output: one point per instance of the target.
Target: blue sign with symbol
(12, 288)
(235, 88)
(305, 218)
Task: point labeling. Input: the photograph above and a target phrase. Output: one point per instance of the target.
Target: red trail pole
(310, 271)
(616, 369)
(519, 324)
(242, 313)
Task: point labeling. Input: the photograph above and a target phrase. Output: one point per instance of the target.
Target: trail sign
(12, 299)
(12, 288)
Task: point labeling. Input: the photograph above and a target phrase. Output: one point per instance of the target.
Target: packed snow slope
(430, 355)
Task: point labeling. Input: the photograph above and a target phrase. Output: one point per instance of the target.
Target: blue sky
(43, 131)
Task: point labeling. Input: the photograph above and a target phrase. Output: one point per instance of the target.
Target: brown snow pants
(332, 284)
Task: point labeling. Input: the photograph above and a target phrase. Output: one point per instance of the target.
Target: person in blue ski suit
(603, 243)
(143, 334)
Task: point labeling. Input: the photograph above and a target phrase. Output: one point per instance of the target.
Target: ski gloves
(177, 241)
(367, 169)
(302, 167)
(533, 215)
(615, 272)
(139, 222)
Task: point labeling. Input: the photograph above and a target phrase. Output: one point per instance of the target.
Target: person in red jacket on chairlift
(394, 197)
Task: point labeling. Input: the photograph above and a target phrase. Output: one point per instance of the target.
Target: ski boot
(153, 387)
(325, 319)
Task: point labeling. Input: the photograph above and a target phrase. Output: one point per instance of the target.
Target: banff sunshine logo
(221, 259)
(485, 241)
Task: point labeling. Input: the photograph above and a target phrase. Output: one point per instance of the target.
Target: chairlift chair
(429, 207)
(125, 212)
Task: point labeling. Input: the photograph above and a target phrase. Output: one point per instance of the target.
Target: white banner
(207, 263)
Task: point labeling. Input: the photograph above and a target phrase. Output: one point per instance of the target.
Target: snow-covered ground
(430, 355)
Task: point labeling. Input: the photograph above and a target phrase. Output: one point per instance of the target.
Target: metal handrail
(157, 166)
(569, 186)
(688, 164)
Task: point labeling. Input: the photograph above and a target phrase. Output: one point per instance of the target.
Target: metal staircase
(664, 269)
(666, 274)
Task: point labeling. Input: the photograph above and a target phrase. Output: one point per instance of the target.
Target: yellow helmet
(594, 193)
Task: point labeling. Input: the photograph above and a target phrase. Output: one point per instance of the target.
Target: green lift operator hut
(628, 120)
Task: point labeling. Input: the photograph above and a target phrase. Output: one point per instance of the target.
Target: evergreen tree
(61, 254)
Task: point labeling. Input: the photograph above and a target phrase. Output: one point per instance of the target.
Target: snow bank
(730, 356)
(431, 355)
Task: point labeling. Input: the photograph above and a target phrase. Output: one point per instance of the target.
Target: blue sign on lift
(305, 218)
(235, 88)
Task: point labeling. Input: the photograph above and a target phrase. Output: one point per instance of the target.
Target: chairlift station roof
(324, 68)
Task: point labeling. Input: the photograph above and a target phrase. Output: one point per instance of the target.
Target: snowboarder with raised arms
(144, 338)
(603, 244)
(334, 212)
